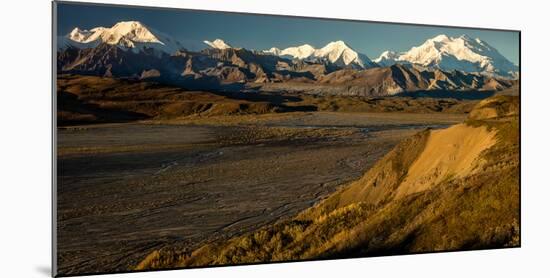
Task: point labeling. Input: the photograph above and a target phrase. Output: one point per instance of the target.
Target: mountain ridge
(216, 68)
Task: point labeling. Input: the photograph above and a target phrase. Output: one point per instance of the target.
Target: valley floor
(127, 189)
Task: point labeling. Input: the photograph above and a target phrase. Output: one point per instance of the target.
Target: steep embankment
(449, 189)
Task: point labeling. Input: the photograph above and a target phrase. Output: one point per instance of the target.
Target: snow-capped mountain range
(441, 52)
(448, 53)
(336, 52)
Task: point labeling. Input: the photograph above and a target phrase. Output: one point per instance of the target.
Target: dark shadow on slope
(278, 100)
(261, 97)
(460, 95)
(72, 110)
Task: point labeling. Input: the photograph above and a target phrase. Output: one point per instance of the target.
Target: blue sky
(264, 32)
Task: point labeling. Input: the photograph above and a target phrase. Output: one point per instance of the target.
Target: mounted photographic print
(189, 138)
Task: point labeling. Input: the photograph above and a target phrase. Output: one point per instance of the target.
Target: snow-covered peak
(440, 38)
(337, 44)
(79, 35)
(218, 44)
(335, 47)
(388, 54)
(387, 58)
(339, 52)
(129, 30)
(273, 51)
(126, 34)
(454, 53)
(299, 52)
